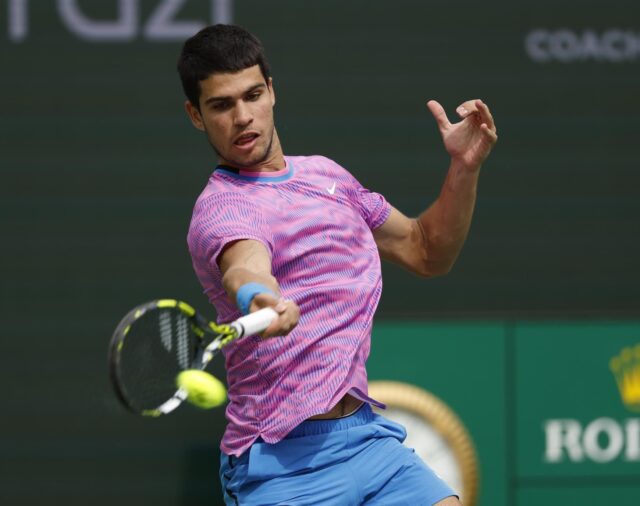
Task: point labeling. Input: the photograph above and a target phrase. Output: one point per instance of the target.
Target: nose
(243, 115)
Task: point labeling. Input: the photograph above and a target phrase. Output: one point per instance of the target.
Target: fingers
(439, 114)
(485, 115)
(467, 108)
(288, 316)
(479, 108)
(488, 127)
(475, 107)
(490, 133)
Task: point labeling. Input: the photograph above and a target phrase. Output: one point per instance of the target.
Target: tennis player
(301, 235)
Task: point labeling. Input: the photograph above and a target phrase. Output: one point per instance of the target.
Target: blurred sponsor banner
(552, 407)
(577, 401)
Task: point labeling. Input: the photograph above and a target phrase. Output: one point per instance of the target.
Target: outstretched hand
(288, 314)
(469, 141)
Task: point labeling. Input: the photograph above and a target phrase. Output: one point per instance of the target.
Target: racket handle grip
(254, 323)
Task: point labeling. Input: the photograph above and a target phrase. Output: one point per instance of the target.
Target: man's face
(236, 113)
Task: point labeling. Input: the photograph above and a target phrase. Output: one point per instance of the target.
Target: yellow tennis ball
(203, 389)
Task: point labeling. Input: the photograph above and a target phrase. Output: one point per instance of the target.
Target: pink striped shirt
(315, 219)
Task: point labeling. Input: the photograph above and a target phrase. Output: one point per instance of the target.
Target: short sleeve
(372, 206)
(222, 218)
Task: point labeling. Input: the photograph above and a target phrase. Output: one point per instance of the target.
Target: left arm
(429, 245)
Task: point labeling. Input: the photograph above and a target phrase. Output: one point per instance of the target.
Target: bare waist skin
(347, 405)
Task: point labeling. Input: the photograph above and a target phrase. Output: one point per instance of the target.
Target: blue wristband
(247, 292)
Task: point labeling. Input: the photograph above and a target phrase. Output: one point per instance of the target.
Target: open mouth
(246, 139)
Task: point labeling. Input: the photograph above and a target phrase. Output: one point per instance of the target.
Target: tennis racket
(155, 341)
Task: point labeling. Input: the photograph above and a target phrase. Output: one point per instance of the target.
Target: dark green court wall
(100, 168)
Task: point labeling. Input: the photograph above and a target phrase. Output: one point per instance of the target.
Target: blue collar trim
(262, 177)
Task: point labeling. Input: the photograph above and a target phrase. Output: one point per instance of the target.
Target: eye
(252, 97)
(220, 106)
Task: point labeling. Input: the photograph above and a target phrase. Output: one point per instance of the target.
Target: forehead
(229, 84)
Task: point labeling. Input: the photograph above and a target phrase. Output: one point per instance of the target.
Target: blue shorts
(354, 460)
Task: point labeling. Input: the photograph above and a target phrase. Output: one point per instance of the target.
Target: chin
(250, 160)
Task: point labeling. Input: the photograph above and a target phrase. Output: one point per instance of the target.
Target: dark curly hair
(218, 48)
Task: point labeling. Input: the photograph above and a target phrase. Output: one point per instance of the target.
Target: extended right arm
(248, 261)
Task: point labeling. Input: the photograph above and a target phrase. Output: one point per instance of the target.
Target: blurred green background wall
(100, 168)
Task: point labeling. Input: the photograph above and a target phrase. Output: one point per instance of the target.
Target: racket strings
(182, 336)
(159, 345)
(165, 330)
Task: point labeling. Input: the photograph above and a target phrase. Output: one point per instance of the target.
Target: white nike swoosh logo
(332, 190)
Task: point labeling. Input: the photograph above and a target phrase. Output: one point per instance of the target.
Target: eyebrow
(228, 97)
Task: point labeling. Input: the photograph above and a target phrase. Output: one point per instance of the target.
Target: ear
(271, 91)
(194, 115)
